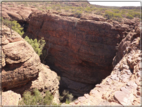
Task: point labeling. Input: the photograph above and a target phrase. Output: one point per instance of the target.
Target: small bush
(37, 45)
(36, 98)
(66, 97)
(108, 14)
(48, 98)
(78, 13)
(13, 25)
(115, 10)
(112, 15)
(129, 16)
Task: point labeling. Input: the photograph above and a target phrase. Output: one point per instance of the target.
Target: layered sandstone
(21, 66)
(123, 85)
(16, 12)
(81, 49)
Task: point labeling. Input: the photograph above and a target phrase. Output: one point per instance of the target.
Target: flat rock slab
(10, 98)
(124, 98)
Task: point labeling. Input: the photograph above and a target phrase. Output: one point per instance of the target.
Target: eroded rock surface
(22, 69)
(21, 62)
(10, 98)
(16, 12)
(82, 49)
(123, 86)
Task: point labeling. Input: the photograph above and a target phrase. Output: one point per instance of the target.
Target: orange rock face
(21, 63)
(22, 69)
(122, 86)
(81, 49)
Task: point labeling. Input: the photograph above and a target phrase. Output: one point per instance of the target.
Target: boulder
(10, 98)
(22, 67)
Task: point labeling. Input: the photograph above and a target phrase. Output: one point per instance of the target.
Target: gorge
(83, 50)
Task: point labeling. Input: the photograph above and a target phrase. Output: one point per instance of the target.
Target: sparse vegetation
(36, 98)
(114, 13)
(37, 45)
(129, 16)
(66, 97)
(13, 25)
(78, 13)
(114, 16)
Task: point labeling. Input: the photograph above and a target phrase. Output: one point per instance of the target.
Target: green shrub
(66, 97)
(17, 27)
(136, 14)
(112, 15)
(37, 45)
(129, 16)
(36, 98)
(115, 10)
(13, 25)
(78, 13)
(48, 98)
(118, 15)
(108, 14)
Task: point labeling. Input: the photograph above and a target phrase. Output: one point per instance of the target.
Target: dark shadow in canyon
(48, 59)
(24, 24)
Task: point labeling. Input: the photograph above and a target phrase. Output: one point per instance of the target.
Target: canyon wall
(81, 49)
(123, 86)
(21, 66)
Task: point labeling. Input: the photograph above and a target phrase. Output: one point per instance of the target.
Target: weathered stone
(123, 89)
(47, 80)
(86, 96)
(3, 59)
(124, 98)
(132, 84)
(81, 99)
(22, 65)
(83, 54)
(77, 51)
(9, 98)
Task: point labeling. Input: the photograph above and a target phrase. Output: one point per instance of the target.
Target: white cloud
(117, 3)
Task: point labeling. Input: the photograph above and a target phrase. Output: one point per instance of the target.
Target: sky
(117, 3)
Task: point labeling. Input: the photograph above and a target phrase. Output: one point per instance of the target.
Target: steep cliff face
(81, 50)
(123, 85)
(21, 66)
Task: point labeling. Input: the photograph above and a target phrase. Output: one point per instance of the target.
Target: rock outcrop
(123, 85)
(87, 49)
(10, 98)
(21, 66)
(81, 49)
(16, 12)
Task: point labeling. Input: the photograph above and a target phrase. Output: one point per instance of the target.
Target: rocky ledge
(21, 67)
